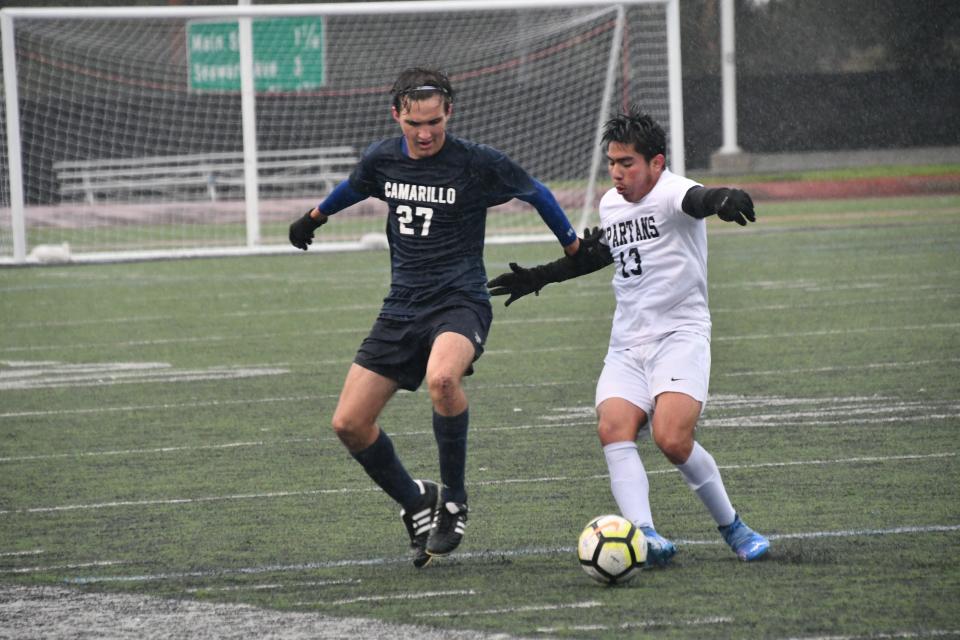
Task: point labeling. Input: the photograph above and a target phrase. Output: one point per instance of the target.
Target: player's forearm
(339, 199)
(584, 261)
(701, 202)
(317, 216)
(552, 214)
(591, 255)
(730, 205)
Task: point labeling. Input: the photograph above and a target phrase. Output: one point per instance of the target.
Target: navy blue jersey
(437, 217)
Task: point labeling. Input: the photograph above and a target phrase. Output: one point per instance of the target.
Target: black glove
(301, 231)
(736, 206)
(592, 254)
(518, 283)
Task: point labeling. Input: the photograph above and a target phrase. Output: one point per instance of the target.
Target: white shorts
(679, 361)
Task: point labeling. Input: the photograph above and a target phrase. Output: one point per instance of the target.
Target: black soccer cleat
(448, 527)
(420, 519)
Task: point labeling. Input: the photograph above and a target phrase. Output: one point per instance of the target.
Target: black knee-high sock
(451, 435)
(381, 463)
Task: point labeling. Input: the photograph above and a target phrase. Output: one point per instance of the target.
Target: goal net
(131, 122)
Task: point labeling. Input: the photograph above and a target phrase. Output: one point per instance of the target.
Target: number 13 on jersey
(630, 265)
(406, 214)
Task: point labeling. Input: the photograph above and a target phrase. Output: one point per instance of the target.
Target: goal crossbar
(16, 249)
(316, 9)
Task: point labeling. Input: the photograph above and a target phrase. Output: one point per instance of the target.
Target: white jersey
(660, 264)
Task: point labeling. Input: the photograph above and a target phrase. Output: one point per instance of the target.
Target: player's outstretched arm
(301, 231)
(591, 256)
(341, 197)
(730, 205)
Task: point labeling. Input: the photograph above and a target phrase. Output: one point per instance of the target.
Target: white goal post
(149, 132)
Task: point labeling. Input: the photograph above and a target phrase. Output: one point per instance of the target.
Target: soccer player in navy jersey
(436, 317)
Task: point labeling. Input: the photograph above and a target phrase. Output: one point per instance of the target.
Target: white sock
(702, 475)
(628, 481)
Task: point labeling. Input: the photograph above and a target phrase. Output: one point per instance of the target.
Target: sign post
(288, 55)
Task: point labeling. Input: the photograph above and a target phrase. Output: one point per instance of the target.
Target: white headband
(426, 87)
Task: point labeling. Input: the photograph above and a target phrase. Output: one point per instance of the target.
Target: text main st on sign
(288, 55)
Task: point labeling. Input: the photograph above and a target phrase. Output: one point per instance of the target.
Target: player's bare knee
(606, 432)
(675, 447)
(340, 426)
(610, 432)
(345, 429)
(444, 387)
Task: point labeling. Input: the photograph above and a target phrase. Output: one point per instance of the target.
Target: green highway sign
(288, 54)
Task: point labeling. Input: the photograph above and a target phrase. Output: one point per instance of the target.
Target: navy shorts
(399, 349)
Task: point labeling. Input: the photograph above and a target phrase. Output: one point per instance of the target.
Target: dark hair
(639, 129)
(420, 84)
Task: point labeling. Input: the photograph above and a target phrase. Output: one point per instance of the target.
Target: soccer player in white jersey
(657, 368)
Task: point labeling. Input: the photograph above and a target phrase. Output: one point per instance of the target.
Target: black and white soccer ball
(611, 549)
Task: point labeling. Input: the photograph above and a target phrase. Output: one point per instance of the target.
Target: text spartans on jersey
(629, 231)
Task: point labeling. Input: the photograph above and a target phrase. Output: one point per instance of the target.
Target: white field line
(835, 303)
(869, 407)
(413, 595)
(246, 295)
(54, 301)
(274, 586)
(853, 367)
(864, 532)
(363, 329)
(369, 276)
(17, 369)
(639, 624)
(838, 332)
(813, 286)
(741, 401)
(180, 340)
(92, 321)
(776, 419)
(82, 565)
(368, 489)
(138, 280)
(104, 378)
(752, 336)
(217, 573)
(713, 401)
(484, 556)
(877, 279)
(199, 500)
(891, 635)
(129, 452)
(804, 463)
(586, 292)
(586, 604)
(32, 552)
(853, 460)
(259, 443)
(747, 424)
(242, 401)
(313, 311)
(783, 420)
(566, 417)
(166, 406)
(229, 314)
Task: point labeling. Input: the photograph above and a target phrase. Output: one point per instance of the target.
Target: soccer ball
(611, 549)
